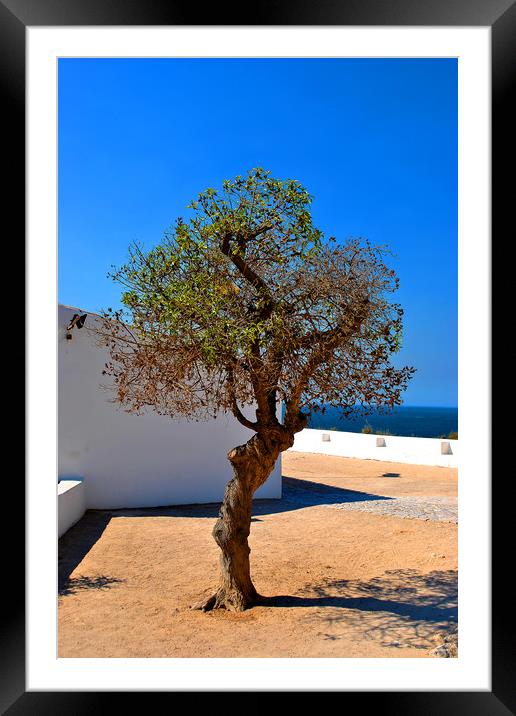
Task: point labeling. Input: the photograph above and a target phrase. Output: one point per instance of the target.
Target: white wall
(136, 460)
(71, 504)
(418, 451)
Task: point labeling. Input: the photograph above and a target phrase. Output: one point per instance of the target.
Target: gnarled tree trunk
(252, 464)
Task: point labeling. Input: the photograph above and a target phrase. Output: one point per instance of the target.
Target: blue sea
(410, 421)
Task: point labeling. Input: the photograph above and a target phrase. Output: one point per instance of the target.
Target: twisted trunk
(252, 464)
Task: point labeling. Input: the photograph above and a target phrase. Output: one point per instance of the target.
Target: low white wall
(418, 451)
(136, 460)
(71, 504)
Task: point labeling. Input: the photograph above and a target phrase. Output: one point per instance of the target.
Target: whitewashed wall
(418, 451)
(135, 460)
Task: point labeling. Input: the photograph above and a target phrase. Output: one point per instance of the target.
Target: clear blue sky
(374, 140)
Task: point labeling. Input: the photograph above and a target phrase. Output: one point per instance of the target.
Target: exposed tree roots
(232, 601)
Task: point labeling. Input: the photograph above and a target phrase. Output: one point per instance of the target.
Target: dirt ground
(341, 583)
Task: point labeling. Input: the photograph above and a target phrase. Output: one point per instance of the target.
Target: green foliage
(187, 280)
(453, 435)
(368, 430)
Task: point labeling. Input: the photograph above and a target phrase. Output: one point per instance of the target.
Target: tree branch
(234, 405)
(247, 272)
(332, 339)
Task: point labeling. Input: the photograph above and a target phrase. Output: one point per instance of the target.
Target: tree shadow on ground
(296, 495)
(76, 584)
(402, 608)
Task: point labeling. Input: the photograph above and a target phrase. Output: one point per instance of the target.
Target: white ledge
(71, 503)
(389, 448)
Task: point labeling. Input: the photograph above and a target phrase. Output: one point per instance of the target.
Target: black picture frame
(500, 16)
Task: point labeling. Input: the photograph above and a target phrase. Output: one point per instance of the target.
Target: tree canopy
(245, 303)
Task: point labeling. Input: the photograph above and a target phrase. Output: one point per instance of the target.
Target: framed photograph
(91, 89)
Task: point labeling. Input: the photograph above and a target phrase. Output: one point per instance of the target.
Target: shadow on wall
(402, 608)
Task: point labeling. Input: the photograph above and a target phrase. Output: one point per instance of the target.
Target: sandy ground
(341, 583)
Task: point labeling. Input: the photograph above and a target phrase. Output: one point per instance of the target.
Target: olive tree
(241, 308)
